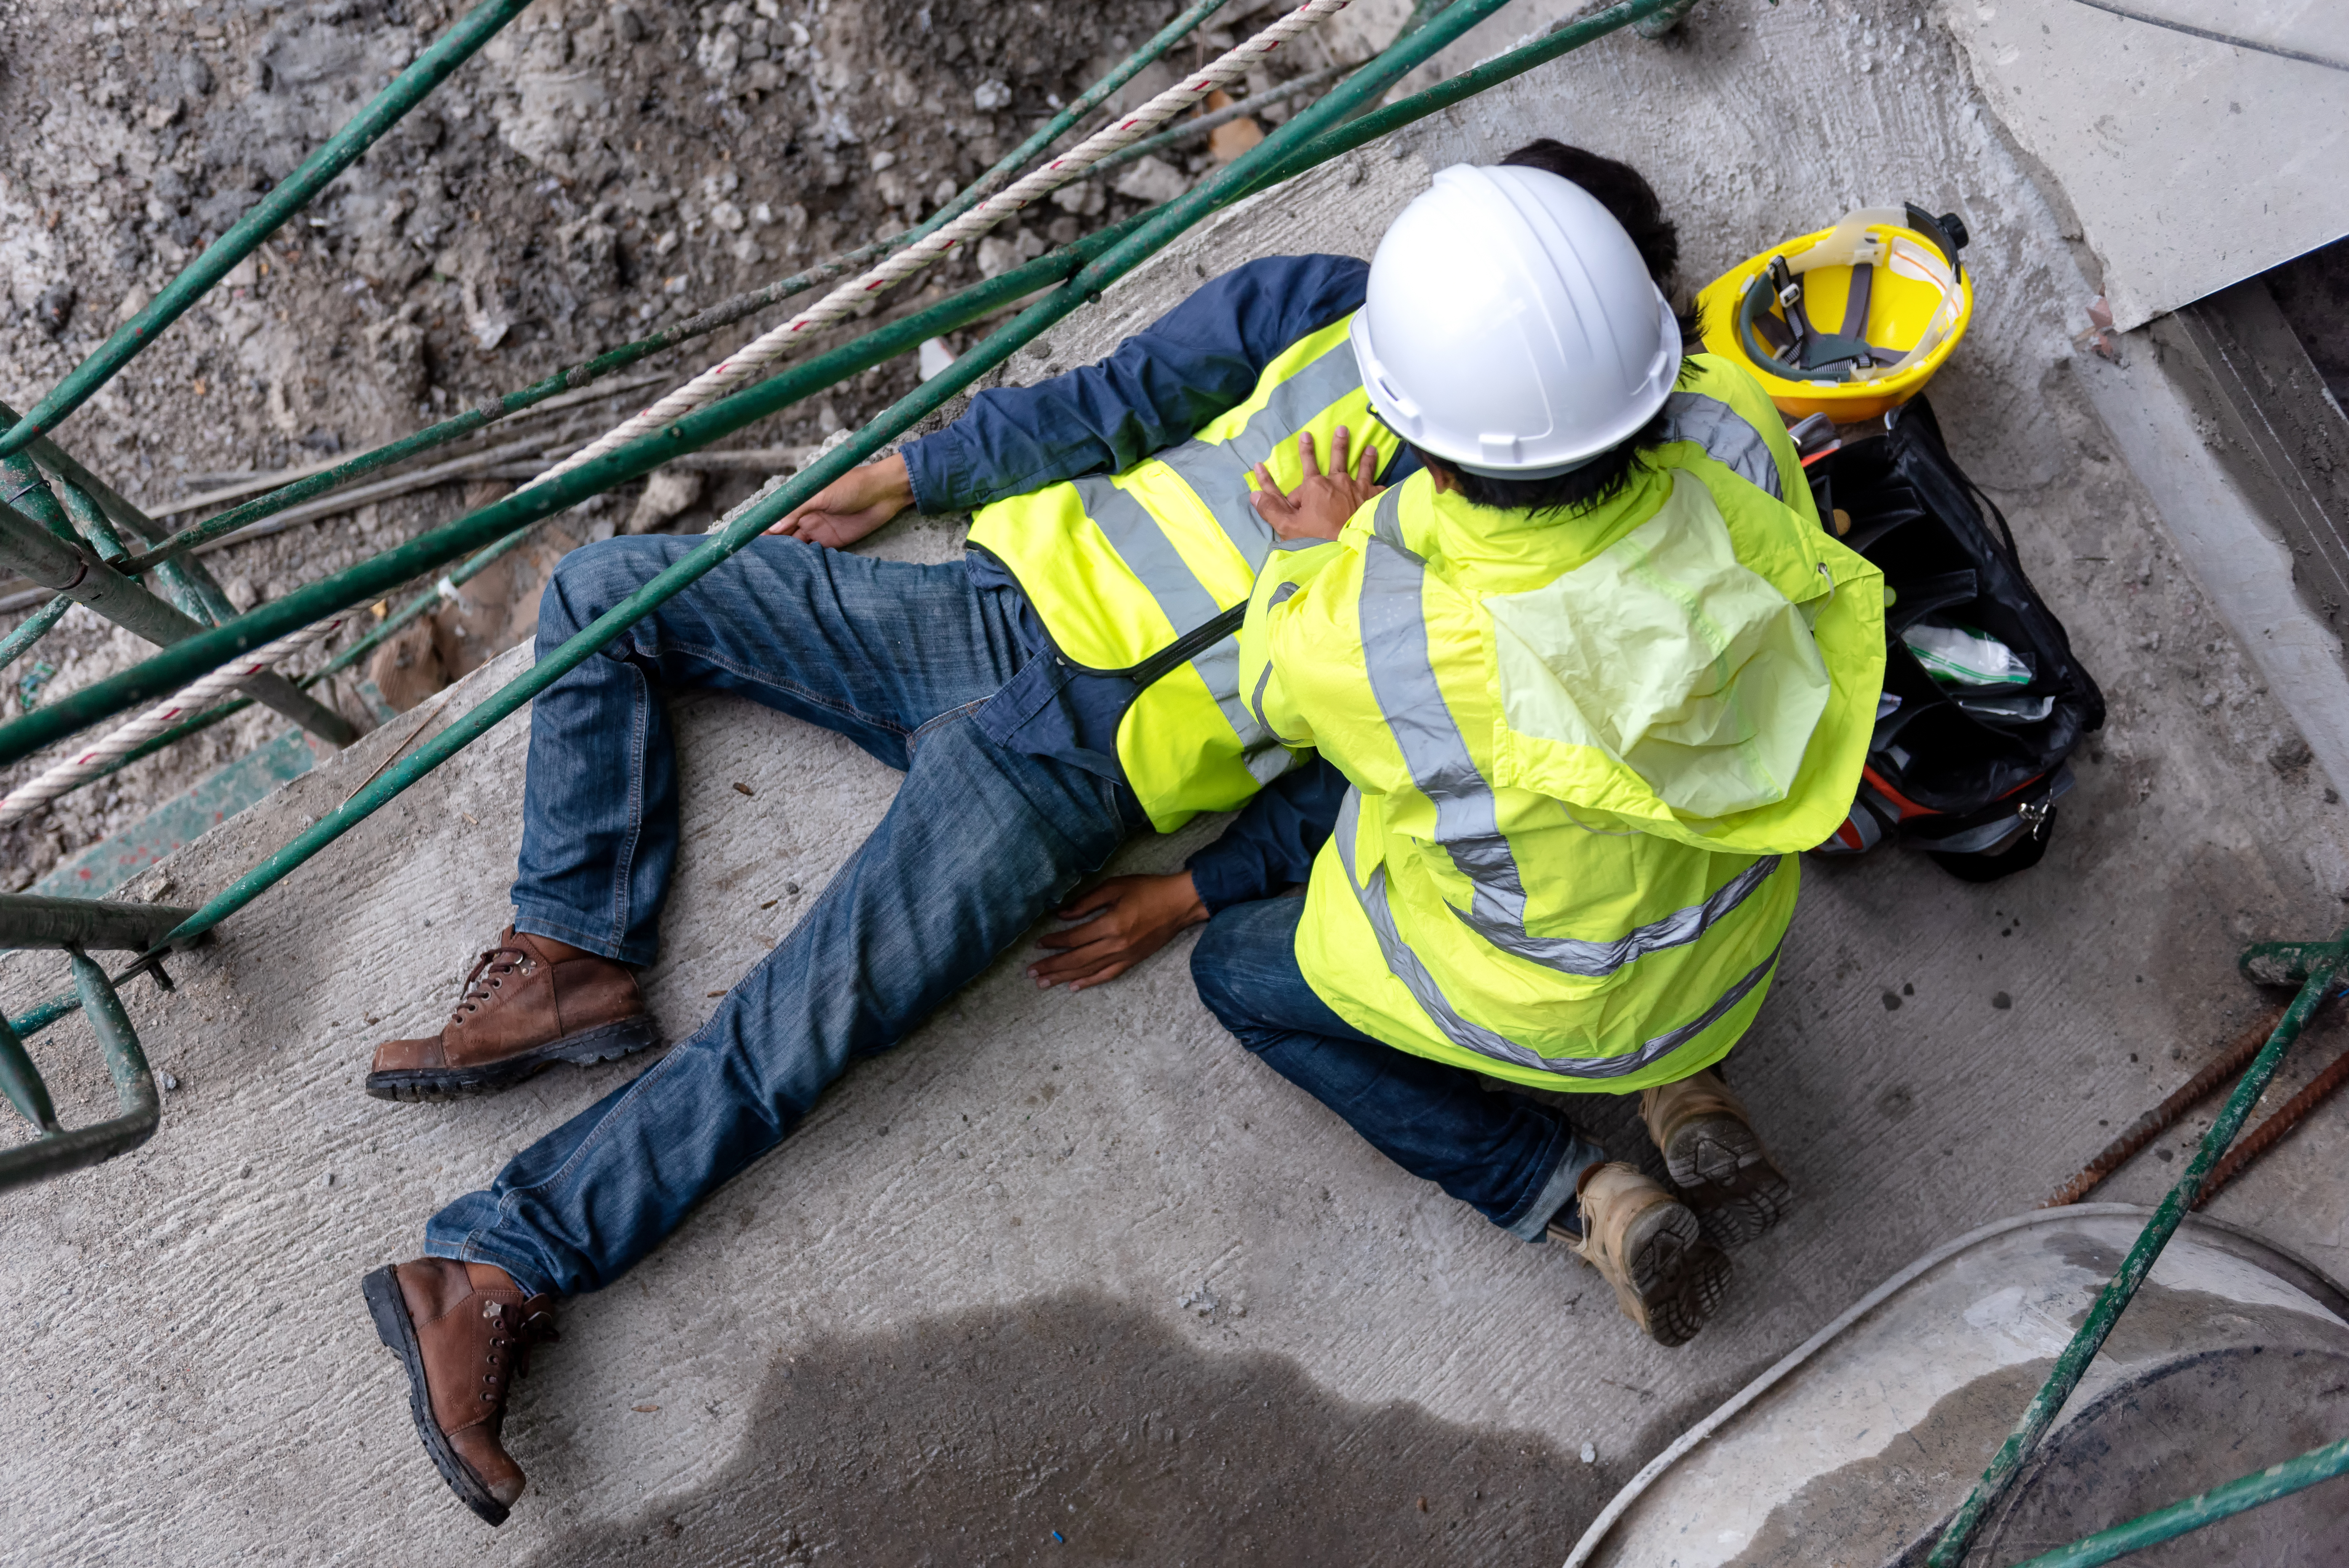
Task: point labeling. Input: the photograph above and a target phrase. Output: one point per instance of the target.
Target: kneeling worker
(1596, 677)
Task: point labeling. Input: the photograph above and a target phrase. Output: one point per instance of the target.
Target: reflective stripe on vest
(1726, 438)
(1217, 472)
(1405, 966)
(1402, 678)
(1184, 600)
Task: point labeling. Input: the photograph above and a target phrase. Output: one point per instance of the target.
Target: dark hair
(1593, 482)
(1633, 203)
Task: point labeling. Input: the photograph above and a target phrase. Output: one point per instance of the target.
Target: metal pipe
(804, 381)
(33, 920)
(29, 493)
(27, 547)
(21, 1082)
(451, 49)
(192, 589)
(34, 627)
(2320, 963)
(1160, 225)
(97, 530)
(2203, 1509)
(134, 1090)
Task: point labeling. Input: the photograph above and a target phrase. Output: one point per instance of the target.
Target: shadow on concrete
(971, 1438)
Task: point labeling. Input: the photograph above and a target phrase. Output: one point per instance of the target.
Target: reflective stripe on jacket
(1147, 571)
(1585, 750)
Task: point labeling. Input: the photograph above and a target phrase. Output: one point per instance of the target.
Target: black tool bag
(1968, 774)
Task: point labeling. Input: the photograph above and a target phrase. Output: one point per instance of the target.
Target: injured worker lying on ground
(1606, 909)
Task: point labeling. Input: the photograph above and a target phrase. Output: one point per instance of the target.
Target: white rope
(753, 358)
(28, 797)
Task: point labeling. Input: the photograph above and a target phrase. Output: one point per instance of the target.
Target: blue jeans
(1513, 1160)
(979, 844)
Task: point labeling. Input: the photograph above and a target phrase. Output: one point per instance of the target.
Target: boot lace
(488, 976)
(507, 1357)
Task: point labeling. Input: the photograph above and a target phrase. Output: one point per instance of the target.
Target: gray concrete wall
(1079, 1263)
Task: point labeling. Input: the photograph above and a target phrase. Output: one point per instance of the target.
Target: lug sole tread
(1728, 1179)
(392, 1326)
(605, 1042)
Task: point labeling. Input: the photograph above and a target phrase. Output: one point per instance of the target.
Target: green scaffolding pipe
(2203, 1509)
(847, 361)
(1063, 262)
(453, 49)
(29, 493)
(2324, 962)
(1306, 139)
(166, 673)
(90, 521)
(723, 314)
(34, 627)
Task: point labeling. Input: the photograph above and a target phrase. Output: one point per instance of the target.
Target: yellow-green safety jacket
(1147, 573)
(1585, 750)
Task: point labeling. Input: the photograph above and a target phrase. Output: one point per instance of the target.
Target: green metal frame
(75, 925)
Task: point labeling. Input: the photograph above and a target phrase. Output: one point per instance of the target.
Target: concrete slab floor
(1075, 1279)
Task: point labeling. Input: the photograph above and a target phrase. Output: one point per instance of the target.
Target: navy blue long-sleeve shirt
(1153, 391)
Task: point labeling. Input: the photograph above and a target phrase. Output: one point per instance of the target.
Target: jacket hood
(1667, 685)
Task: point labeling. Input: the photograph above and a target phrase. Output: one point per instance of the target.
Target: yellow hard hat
(1887, 276)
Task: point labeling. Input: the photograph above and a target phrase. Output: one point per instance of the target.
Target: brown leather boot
(1668, 1278)
(463, 1333)
(1715, 1157)
(522, 1010)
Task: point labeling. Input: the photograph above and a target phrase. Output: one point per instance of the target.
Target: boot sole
(1725, 1175)
(1675, 1278)
(606, 1042)
(398, 1332)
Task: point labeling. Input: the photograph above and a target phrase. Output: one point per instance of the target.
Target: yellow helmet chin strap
(1859, 242)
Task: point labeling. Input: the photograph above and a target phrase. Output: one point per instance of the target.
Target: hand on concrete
(1124, 920)
(1317, 508)
(853, 505)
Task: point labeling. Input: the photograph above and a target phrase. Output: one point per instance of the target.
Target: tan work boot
(1715, 1157)
(1645, 1242)
(523, 1009)
(462, 1332)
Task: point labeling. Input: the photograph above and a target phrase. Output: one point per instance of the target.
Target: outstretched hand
(851, 506)
(1317, 508)
(1124, 920)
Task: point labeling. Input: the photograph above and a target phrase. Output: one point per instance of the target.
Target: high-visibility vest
(1585, 750)
(1146, 574)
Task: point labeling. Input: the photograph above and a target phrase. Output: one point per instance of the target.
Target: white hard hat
(1511, 328)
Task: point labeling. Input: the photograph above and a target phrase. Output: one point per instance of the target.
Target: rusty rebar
(2262, 1137)
(2165, 1115)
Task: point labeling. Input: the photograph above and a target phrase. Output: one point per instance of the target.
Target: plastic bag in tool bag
(1983, 699)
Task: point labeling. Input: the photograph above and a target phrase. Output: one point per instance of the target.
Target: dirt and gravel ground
(596, 172)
